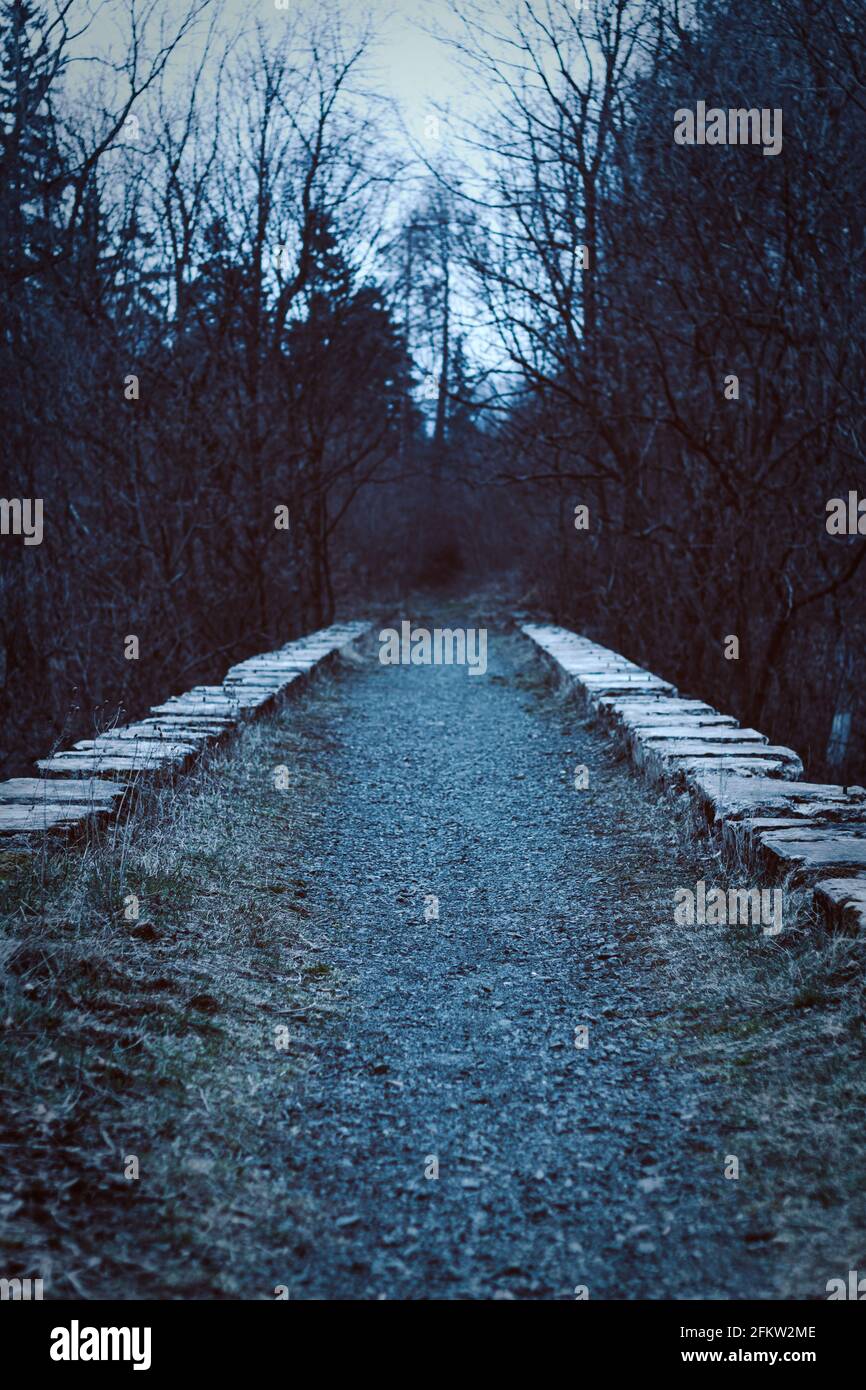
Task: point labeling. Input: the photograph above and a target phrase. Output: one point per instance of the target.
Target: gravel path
(454, 1038)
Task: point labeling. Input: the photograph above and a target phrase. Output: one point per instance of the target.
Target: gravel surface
(340, 1040)
(453, 1038)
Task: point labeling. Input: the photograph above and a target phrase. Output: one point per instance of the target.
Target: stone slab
(676, 734)
(102, 764)
(43, 819)
(815, 852)
(190, 710)
(724, 797)
(741, 839)
(843, 901)
(681, 770)
(669, 721)
(622, 709)
(146, 749)
(581, 671)
(595, 686)
(678, 762)
(33, 790)
(170, 731)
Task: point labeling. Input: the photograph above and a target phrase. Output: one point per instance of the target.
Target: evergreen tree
(30, 160)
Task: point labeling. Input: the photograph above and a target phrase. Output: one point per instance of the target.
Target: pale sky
(409, 65)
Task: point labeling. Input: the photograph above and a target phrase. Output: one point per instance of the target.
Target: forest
(270, 354)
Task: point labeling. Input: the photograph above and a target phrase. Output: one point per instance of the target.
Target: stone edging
(90, 780)
(746, 789)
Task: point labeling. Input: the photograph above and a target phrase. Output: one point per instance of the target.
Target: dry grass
(155, 1037)
(780, 1021)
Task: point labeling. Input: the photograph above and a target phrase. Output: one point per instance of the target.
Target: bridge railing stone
(90, 781)
(747, 791)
